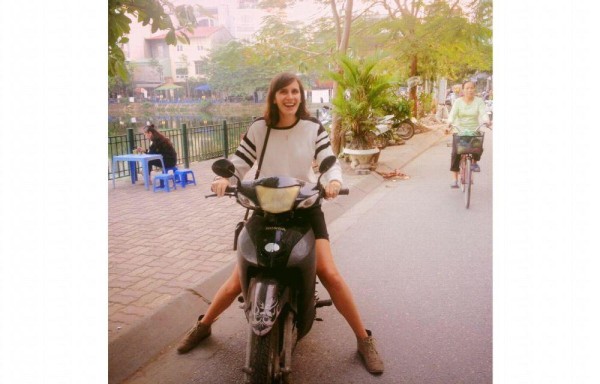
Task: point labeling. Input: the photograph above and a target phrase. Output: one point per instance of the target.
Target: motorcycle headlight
(277, 200)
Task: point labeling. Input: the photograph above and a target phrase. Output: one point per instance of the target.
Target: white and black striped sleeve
(322, 150)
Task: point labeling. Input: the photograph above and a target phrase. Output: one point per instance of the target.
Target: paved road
(169, 253)
(420, 267)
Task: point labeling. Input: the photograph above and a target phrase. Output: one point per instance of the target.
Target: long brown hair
(281, 81)
(156, 136)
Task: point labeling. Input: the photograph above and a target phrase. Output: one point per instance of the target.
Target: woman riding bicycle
(468, 112)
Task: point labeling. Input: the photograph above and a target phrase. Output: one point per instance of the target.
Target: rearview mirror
(325, 166)
(223, 168)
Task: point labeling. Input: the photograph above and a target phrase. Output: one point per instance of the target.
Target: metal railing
(192, 143)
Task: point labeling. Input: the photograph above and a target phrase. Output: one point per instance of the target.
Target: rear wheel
(264, 357)
(405, 130)
(468, 182)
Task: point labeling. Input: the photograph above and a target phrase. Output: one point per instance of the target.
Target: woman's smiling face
(288, 100)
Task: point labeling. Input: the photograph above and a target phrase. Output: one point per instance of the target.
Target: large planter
(363, 159)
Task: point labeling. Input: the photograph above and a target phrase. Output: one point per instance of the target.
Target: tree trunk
(413, 89)
(336, 135)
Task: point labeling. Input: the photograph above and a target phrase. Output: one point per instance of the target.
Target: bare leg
(337, 288)
(455, 176)
(224, 297)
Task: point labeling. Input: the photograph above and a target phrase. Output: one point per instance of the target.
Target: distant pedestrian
(159, 144)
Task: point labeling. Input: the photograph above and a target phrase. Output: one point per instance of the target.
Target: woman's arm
(483, 116)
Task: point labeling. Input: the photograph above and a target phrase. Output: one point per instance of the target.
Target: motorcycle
(324, 115)
(405, 129)
(489, 108)
(276, 257)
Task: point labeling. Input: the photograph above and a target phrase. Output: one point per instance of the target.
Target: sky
(308, 10)
(53, 200)
(311, 10)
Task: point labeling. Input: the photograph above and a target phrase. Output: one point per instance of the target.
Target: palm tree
(362, 93)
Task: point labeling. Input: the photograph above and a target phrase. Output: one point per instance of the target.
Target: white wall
(317, 94)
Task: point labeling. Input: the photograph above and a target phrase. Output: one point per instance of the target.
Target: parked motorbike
(489, 108)
(324, 115)
(276, 256)
(405, 129)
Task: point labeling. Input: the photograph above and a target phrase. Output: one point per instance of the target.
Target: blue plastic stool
(163, 178)
(181, 177)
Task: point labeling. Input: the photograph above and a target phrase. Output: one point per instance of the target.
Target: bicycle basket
(468, 144)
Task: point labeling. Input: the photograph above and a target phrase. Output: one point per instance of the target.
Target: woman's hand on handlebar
(219, 186)
(332, 189)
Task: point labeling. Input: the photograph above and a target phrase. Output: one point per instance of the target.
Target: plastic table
(144, 159)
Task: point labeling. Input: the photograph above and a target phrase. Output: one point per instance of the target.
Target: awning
(203, 87)
(147, 85)
(167, 87)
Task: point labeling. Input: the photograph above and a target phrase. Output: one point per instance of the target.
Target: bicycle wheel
(468, 182)
(461, 173)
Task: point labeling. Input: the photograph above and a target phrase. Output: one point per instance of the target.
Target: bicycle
(467, 144)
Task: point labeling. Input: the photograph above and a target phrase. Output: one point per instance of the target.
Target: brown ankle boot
(194, 336)
(368, 351)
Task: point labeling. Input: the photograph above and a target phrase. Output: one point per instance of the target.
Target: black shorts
(317, 222)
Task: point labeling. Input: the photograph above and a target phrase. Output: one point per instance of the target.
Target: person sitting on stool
(159, 144)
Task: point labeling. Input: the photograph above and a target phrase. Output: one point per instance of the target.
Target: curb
(133, 349)
(156, 333)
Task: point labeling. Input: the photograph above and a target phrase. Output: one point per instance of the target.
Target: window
(198, 65)
(181, 72)
(179, 48)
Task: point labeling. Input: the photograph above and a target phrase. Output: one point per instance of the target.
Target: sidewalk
(169, 253)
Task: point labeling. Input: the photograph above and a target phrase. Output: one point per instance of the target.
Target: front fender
(266, 300)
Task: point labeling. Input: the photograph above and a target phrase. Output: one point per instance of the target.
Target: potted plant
(361, 94)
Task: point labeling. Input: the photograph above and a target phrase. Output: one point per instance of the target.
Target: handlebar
(459, 129)
(230, 191)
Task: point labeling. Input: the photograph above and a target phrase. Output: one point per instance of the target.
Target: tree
(343, 38)
(158, 68)
(243, 67)
(156, 13)
(436, 37)
(365, 92)
(236, 69)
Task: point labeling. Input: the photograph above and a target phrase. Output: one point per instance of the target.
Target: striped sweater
(290, 151)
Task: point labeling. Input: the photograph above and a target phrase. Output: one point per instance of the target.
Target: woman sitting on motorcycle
(294, 141)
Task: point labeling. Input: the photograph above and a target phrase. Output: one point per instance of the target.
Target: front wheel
(468, 182)
(405, 129)
(264, 357)
(462, 172)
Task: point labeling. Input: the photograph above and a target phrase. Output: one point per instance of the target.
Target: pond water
(120, 120)
(118, 125)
